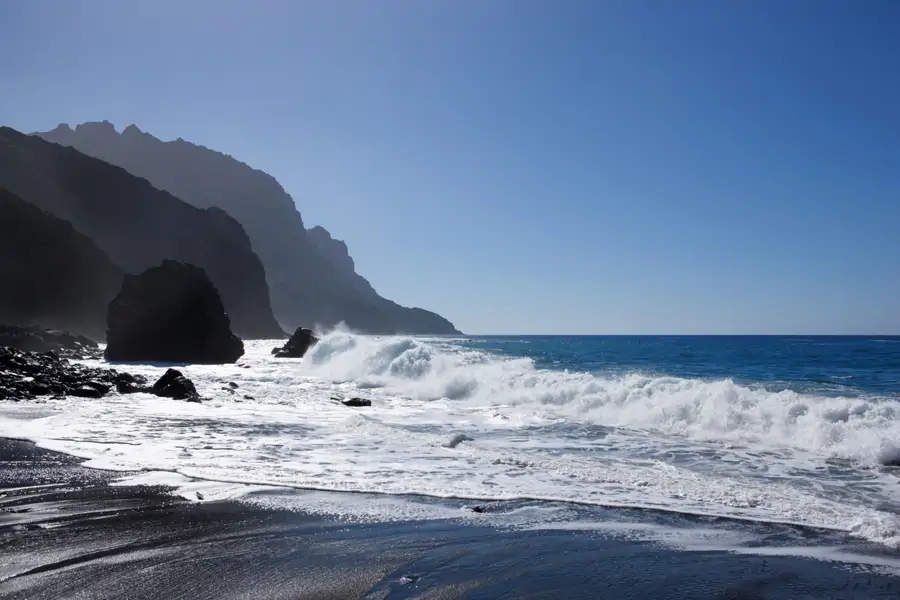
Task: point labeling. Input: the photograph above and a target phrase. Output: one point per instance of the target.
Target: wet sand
(66, 533)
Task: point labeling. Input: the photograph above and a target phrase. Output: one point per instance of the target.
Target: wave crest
(723, 411)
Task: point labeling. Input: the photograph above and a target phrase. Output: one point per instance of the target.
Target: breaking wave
(864, 429)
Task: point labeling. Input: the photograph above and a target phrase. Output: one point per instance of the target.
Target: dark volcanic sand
(80, 538)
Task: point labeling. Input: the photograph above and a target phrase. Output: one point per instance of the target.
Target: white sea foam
(853, 428)
(686, 445)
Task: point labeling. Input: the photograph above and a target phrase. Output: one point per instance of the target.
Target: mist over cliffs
(312, 277)
(137, 226)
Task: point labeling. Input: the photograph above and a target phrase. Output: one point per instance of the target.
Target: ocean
(759, 444)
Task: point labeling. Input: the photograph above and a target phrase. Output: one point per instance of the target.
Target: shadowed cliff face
(51, 275)
(311, 276)
(138, 225)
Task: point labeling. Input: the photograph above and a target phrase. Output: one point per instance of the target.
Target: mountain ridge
(52, 275)
(311, 275)
(138, 225)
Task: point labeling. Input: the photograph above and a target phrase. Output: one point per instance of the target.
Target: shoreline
(78, 534)
(464, 502)
(479, 502)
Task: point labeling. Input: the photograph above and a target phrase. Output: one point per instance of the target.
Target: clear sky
(617, 166)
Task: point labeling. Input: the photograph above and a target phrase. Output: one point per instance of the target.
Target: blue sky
(622, 166)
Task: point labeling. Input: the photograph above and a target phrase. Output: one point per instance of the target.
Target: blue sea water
(828, 365)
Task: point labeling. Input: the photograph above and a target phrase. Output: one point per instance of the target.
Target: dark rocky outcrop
(296, 347)
(170, 313)
(36, 339)
(137, 225)
(50, 274)
(356, 402)
(173, 384)
(130, 387)
(311, 276)
(24, 375)
(86, 391)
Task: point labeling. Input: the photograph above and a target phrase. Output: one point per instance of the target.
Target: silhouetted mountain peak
(336, 250)
(133, 132)
(61, 129)
(97, 128)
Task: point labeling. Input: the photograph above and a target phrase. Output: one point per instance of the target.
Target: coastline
(66, 531)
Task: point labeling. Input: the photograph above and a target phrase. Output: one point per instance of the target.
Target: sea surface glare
(786, 430)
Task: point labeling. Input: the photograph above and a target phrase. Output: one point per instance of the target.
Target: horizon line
(897, 335)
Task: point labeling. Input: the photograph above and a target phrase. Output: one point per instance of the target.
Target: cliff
(139, 226)
(51, 275)
(311, 276)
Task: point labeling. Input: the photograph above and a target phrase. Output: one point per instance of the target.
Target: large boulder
(170, 313)
(297, 346)
(173, 384)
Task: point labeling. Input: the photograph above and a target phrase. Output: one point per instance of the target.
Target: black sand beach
(65, 533)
